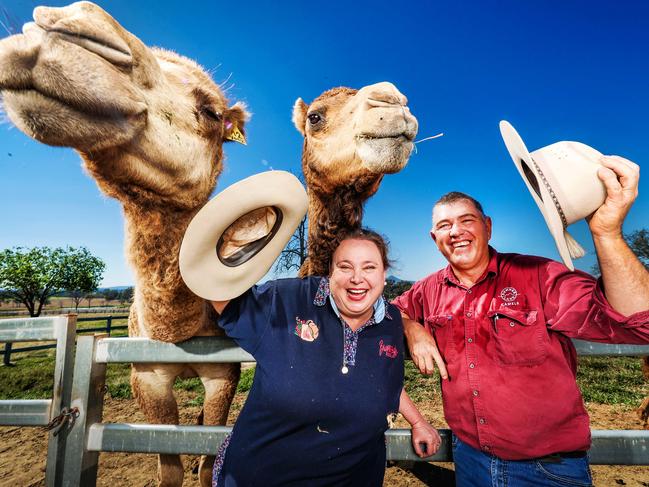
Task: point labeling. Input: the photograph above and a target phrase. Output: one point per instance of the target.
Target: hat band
(555, 200)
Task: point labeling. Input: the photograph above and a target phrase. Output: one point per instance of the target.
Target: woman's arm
(422, 432)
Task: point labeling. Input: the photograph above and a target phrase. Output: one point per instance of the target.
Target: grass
(604, 380)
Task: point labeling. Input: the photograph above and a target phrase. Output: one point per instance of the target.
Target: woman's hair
(369, 235)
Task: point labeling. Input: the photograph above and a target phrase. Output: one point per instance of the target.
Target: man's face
(462, 234)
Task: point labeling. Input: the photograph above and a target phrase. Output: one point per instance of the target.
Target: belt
(556, 457)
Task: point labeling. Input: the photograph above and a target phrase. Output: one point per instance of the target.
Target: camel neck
(330, 215)
(153, 238)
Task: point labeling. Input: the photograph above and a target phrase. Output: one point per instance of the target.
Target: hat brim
(534, 182)
(200, 267)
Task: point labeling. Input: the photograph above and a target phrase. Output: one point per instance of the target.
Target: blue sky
(557, 70)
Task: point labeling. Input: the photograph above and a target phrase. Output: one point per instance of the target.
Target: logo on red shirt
(389, 350)
(508, 294)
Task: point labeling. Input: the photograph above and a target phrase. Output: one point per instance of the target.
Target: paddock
(79, 391)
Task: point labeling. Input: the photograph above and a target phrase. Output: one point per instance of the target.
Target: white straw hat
(219, 260)
(562, 179)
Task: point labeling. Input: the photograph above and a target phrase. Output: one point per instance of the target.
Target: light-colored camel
(351, 139)
(149, 126)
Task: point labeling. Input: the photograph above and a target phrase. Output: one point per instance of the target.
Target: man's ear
(299, 115)
(488, 223)
(432, 235)
(234, 120)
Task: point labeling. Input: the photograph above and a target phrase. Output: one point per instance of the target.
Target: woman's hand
(425, 439)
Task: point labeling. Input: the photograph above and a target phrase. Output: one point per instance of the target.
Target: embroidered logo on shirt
(389, 350)
(307, 330)
(508, 294)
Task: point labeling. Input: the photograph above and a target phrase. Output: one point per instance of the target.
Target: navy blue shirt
(305, 421)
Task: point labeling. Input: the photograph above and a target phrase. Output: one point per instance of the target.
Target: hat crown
(570, 173)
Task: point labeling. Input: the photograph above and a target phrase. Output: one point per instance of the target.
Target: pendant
(344, 370)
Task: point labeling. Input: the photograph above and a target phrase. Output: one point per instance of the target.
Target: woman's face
(356, 279)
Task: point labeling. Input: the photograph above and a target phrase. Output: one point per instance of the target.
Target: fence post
(109, 322)
(7, 358)
(65, 330)
(88, 395)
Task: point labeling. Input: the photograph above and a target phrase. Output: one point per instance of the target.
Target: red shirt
(506, 343)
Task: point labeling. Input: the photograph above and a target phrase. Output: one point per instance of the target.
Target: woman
(329, 354)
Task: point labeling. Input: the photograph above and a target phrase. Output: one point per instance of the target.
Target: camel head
(148, 123)
(354, 137)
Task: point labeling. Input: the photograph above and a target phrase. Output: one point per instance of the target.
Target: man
(503, 324)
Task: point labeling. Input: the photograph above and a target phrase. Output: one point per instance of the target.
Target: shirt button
(468, 291)
(470, 340)
(475, 392)
(482, 421)
(469, 314)
(471, 365)
(512, 324)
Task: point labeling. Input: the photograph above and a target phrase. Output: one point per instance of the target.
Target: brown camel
(149, 126)
(351, 139)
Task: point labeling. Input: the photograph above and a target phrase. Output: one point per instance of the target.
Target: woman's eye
(211, 114)
(314, 118)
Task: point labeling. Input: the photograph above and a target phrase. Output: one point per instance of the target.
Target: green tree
(82, 274)
(31, 275)
(126, 295)
(110, 294)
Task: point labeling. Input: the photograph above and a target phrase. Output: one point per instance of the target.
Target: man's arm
(423, 348)
(626, 281)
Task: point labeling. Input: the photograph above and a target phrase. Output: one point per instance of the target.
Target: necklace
(344, 368)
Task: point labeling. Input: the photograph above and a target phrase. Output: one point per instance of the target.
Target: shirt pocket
(518, 337)
(441, 326)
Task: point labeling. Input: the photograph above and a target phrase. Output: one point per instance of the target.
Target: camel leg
(220, 382)
(152, 386)
(643, 410)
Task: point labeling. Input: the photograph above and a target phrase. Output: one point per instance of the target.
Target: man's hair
(454, 196)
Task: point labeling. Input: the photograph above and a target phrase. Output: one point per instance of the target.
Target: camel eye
(314, 118)
(211, 114)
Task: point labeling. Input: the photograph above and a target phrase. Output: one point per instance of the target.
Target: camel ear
(235, 118)
(299, 115)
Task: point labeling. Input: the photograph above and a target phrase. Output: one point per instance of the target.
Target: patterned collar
(380, 307)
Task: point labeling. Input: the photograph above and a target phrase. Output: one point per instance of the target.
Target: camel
(351, 139)
(149, 126)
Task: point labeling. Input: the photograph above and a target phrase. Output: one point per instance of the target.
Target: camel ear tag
(234, 134)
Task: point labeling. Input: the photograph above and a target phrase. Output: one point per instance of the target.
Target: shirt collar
(448, 276)
(323, 292)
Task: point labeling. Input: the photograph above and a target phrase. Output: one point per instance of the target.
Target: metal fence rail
(9, 350)
(89, 436)
(41, 412)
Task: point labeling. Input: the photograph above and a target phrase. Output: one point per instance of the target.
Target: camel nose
(384, 94)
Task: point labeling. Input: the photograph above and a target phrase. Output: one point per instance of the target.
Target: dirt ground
(23, 452)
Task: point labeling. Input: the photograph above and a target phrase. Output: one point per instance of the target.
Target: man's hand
(423, 348)
(425, 439)
(620, 177)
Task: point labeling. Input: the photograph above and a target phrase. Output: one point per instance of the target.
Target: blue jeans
(474, 468)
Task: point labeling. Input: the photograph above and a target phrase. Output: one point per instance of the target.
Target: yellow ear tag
(236, 136)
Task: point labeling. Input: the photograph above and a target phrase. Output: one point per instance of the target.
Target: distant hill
(115, 288)
(394, 279)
